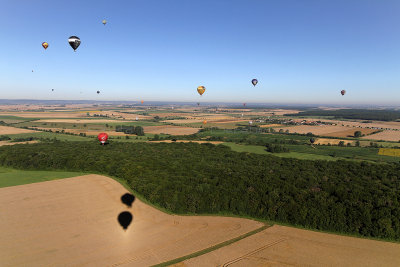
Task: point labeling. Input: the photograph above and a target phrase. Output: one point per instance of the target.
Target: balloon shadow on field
(128, 199)
(125, 218)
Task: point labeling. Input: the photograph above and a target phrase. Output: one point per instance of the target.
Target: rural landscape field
(200, 133)
(35, 147)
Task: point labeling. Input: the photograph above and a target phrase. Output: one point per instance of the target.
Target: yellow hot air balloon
(45, 45)
(104, 22)
(201, 90)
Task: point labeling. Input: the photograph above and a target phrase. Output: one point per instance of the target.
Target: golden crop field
(394, 152)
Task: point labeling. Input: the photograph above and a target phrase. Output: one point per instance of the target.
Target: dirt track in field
(12, 130)
(73, 222)
(287, 246)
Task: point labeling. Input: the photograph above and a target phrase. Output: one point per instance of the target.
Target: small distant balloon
(343, 92)
(125, 219)
(201, 90)
(128, 199)
(244, 104)
(104, 22)
(312, 140)
(52, 90)
(45, 45)
(102, 137)
(74, 42)
(142, 101)
(254, 82)
(204, 122)
(98, 92)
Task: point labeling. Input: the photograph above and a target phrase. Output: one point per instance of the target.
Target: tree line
(362, 114)
(343, 196)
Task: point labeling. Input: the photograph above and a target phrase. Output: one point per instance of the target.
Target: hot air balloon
(125, 219)
(74, 42)
(98, 92)
(343, 92)
(52, 90)
(201, 90)
(254, 82)
(204, 122)
(102, 138)
(244, 104)
(104, 22)
(141, 101)
(45, 45)
(312, 140)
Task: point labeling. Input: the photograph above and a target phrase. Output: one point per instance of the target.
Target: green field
(12, 177)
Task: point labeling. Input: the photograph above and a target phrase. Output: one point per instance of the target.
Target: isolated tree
(341, 143)
(357, 134)
(357, 143)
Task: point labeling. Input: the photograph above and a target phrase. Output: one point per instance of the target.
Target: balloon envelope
(74, 42)
(343, 92)
(98, 92)
(125, 219)
(104, 21)
(102, 137)
(201, 90)
(45, 45)
(254, 82)
(204, 122)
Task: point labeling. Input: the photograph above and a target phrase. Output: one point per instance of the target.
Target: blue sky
(300, 51)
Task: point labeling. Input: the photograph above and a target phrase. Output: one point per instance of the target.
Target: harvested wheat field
(325, 141)
(73, 222)
(169, 129)
(54, 114)
(385, 135)
(271, 125)
(317, 130)
(286, 246)
(81, 121)
(182, 121)
(7, 143)
(350, 132)
(13, 130)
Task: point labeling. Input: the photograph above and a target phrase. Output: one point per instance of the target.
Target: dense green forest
(343, 196)
(361, 114)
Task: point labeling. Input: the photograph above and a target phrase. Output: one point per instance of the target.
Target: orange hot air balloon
(204, 122)
(102, 138)
(201, 90)
(45, 45)
(141, 101)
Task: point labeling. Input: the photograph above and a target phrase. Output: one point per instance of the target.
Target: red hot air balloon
(102, 138)
(343, 92)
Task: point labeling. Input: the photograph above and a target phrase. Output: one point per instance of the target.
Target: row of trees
(344, 196)
(138, 130)
(362, 114)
